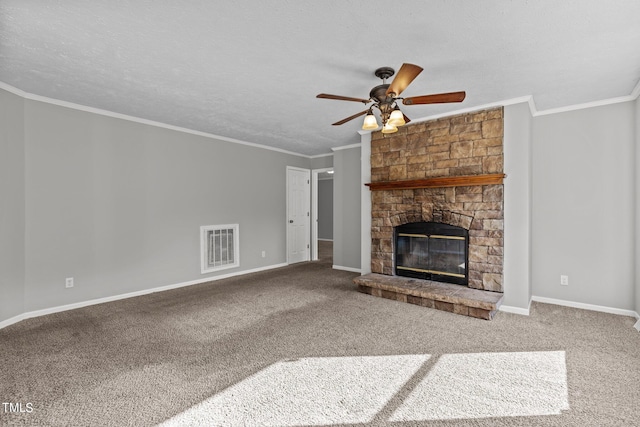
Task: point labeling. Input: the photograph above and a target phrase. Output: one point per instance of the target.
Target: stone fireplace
(447, 171)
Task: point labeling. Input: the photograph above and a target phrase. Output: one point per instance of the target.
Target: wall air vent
(219, 247)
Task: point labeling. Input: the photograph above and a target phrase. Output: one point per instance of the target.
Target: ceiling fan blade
(438, 98)
(405, 76)
(406, 119)
(342, 98)
(361, 113)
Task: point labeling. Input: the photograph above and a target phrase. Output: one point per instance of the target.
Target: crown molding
(316, 156)
(13, 90)
(503, 103)
(586, 105)
(635, 93)
(532, 107)
(346, 147)
(107, 113)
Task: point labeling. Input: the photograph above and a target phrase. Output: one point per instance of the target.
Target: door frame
(314, 211)
(286, 216)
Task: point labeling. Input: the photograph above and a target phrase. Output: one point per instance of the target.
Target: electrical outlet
(68, 282)
(564, 280)
(264, 254)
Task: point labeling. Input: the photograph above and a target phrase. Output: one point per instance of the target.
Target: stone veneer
(466, 144)
(441, 296)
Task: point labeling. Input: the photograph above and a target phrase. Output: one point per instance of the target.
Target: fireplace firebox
(432, 251)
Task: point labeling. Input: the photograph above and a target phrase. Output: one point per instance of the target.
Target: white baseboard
(514, 310)
(351, 269)
(504, 308)
(12, 320)
(73, 306)
(604, 309)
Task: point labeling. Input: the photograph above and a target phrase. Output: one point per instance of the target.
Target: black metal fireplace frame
(432, 228)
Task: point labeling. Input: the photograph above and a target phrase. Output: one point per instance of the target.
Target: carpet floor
(299, 346)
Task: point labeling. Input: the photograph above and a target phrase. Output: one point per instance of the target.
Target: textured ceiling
(251, 70)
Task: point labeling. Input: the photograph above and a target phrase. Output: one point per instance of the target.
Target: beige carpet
(299, 346)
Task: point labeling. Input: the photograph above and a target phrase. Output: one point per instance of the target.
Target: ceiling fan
(385, 98)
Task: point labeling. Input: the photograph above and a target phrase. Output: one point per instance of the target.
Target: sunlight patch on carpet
(482, 385)
(307, 391)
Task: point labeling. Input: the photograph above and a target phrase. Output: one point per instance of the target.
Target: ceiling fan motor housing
(379, 94)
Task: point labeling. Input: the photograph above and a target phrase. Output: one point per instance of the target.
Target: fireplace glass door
(432, 251)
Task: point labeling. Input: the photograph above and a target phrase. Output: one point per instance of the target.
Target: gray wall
(517, 206)
(12, 206)
(118, 205)
(346, 203)
(322, 162)
(583, 205)
(637, 197)
(325, 209)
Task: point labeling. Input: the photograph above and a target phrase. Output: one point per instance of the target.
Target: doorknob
(291, 221)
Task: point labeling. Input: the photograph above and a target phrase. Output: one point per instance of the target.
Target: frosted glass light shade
(396, 118)
(389, 128)
(370, 122)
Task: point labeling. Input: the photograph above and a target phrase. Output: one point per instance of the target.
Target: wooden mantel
(448, 181)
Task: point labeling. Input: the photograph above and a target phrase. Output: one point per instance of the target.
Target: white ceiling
(250, 70)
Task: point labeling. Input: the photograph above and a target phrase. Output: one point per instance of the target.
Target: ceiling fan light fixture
(396, 118)
(370, 122)
(389, 128)
(386, 96)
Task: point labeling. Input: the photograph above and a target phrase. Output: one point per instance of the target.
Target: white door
(298, 210)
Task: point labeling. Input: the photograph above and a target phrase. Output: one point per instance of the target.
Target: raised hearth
(442, 296)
